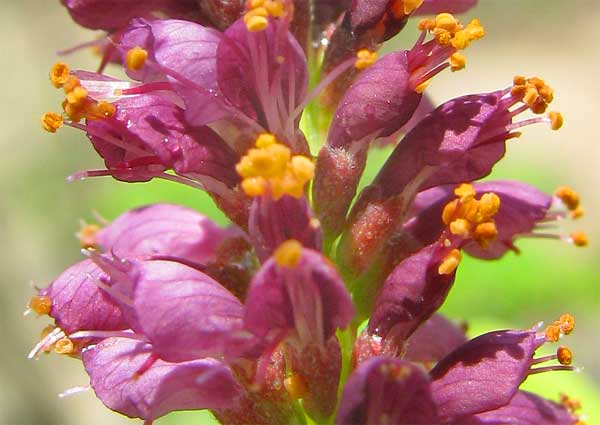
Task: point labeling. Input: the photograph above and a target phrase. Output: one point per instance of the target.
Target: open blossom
(258, 321)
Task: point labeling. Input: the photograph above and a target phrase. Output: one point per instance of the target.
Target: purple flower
(258, 322)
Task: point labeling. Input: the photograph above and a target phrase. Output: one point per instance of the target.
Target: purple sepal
(182, 312)
(433, 7)
(524, 409)
(411, 294)
(377, 104)
(434, 340)
(164, 230)
(305, 303)
(79, 304)
(387, 390)
(484, 373)
(162, 388)
(273, 222)
(522, 206)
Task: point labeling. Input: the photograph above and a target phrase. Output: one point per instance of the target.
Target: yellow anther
(473, 31)
(64, 346)
(421, 87)
(552, 333)
(77, 96)
(577, 212)
(489, 204)
(565, 323)
(271, 166)
(265, 139)
(447, 22)
(288, 254)
(536, 94)
(519, 80)
(556, 120)
(106, 109)
(71, 84)
(59, 74)
(256, 3)
(295, 386)
(136, 58)
(579, 238)
(568, 197)
(485, 233)
(87, 236)
(52, 121)
(530, 96)
(465, 191)
(450, 262)
(364, 59)
(426, 24)
(457, 61)
(41, 304)
(254, 186)
(569, 403)
(274, 7)
(449, 212)
(564, 355)
(257, 23)
(460, 227)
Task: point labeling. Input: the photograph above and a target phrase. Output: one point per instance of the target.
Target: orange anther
(564, 355)
(41, 304)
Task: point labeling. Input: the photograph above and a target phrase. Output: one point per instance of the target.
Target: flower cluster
(262, 322)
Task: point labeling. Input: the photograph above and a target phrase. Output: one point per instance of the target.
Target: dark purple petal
(410, 294)
(273, 222)
(524, 409)
(387, 390)
(162, 388)
(433, 7)
(434, 340)
(522, 206)
(264, 75)
(164, 230)
(483, 374)
(306, 302)
(184, 313)
(79, 304)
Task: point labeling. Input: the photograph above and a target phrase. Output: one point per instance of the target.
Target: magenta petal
(183, 312)
(387, 390)
(524, 409)
(411, 294)
(377, 104)
(433, 340)
(484, 373)
(273, 222)
(307, 302)
(163, 388)
(79, 304)
(164, 230)
(433, 7)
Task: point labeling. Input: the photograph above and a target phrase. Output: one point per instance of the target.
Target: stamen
(577, 213)
(87, 235)
(364, 59)
(135, 58)
(579, 238)
(537, 95)
(271, 167)
(457, 61)
(64, 346)
(59, 74)
(41, 304)
(295, 386)
(569, 403)
(568, 197)
(563, 326)
(256, 18)
(52, 121)
(450, 262)
(47, 341)
(288, 254)
(564, 355)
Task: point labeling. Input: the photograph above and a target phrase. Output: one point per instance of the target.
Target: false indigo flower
(258, 322)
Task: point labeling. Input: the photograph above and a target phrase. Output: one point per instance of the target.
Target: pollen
(270, 167)
(135, 58)
(295, 386)
(87, 236)
(259, 12)
(535, 93)
(450, 262)
(465, 191)
(288, 254)
(577, 212)
(552, 333)
(448, 31)
(59, 74)
(460, 227)
(77, 96)
(563, 326)
(457, 61)
(41, 304)
(568, 197)
(485, 233)
(64, 346)
(52, 121)
(569, 403)
(564, 355)
(556, 120)
(364, 59)
(579, 238)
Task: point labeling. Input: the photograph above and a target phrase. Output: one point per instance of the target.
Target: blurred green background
(40, 211)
